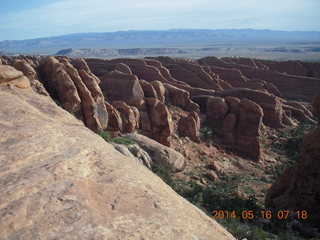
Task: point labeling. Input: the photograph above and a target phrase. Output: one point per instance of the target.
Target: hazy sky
(23, 19)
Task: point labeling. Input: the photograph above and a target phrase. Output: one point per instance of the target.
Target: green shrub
(119, 140)
(106, 136)
(123, 141)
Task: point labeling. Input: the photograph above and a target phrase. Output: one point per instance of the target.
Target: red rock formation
(121, 67)
(97, 95)
(30, 73)
(316, 105)
(10, 76)
(306, 69)
(114, 119)
(161, 122)
(271, 105)
(180, 97)
(120, 86)
(217, 110)
(290, 86)
(129, 120)
(148, 89)
(236, 124)
(298, 187)
(190, 73)
(160, 90)
(88, 105)
(60, 85)
(189, 126)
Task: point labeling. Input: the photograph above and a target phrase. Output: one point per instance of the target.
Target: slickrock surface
(59, 180)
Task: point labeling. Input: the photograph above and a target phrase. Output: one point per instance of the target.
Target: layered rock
(129, 120)
(76, 90)
(290, 86)
(237, 123)
(180, 98)
(10, 76)
(271, 105)
(77, 186)
(30, 73)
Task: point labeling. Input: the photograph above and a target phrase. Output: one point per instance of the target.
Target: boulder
(160, 154)
(136, 153)
(8, 73)
(24, 67)
(59, 180)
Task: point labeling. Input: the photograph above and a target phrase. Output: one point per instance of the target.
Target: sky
(27, 19)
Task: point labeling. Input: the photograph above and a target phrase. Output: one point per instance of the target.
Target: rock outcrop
(160, 120)
(189, 126)
(10, 76)
(119, 86)
(290, 86)
(136, 153)
(59, 180)
(76, 90)
(30, 73)
(271, 105)
(237, 123)
(298, 187)
(180, 98)
(316, 105)
(129, 121)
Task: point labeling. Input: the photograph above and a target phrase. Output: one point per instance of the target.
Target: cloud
(70, 16)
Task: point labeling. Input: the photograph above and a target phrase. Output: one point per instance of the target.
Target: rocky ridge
(163, 97)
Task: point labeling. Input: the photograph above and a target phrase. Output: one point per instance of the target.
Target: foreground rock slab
(59, 180)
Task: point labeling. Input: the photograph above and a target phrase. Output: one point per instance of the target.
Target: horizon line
(159, 30)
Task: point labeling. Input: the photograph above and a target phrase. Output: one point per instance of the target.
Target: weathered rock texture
(59, 180)
(76, 90)
(289, 85)
(237, 122)
(9, 75)
(271, 105)
(189, 126)
(160, 154)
